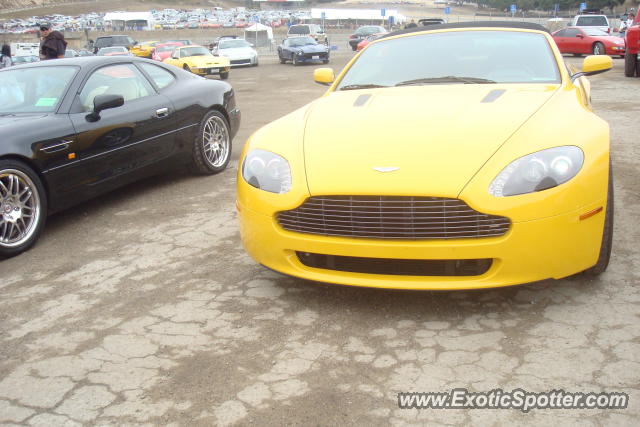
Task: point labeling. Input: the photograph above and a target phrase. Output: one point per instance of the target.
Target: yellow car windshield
(463, 57)
(194, 51)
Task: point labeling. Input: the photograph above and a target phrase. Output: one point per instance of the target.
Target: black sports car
(302, 49)
(75, 128)
(363, 32)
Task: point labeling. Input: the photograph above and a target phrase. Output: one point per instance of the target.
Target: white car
(238, 51)
(600, 22)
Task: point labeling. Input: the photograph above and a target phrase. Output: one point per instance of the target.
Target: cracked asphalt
(141, 308)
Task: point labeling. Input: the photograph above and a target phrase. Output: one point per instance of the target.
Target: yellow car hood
(438, 136)
(206, 61)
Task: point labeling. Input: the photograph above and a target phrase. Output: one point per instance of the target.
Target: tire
(295, 60)
(598, 49)
(282, 60)
(577, 55)
(325, 61)
(224, 76)
(16, 177)
(607, 233)
(212, 145)
(186, 68)
(255, 64)
(630, 64)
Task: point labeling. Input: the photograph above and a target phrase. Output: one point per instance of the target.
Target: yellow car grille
(391, 217)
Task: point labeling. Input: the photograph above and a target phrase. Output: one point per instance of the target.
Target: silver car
(239, 51)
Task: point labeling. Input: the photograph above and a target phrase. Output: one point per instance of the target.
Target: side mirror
(594, 64)
(323, 76)
(104, 102)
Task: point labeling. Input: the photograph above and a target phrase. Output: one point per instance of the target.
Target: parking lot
(141, 307)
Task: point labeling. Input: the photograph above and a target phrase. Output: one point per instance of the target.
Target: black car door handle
(52, 147)
(162, 112)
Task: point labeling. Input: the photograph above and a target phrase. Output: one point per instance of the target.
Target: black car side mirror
(104, 102)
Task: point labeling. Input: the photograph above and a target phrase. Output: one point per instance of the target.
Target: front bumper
(313, 57)
(553, 247)
(210, 70)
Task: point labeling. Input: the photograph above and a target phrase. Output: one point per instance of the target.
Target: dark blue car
(302, 49)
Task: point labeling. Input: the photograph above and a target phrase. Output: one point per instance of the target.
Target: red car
(368, 40)
(581, 40)
(163, 50)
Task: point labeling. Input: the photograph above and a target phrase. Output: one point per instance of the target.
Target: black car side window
(161, 77)
(120, 79)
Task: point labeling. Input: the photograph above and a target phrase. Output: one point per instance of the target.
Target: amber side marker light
(590, 213)
(238, 206)
(72, 156)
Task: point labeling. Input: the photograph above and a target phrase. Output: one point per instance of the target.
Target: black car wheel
(186, 68)
(598, 48)
(607, 233)
(282, 60)
(23, 207)
(295, 60)
(630, 64)
(212, 147)
(325, 61)
(224, 75)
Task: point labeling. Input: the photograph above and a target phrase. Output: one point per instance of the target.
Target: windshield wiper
(446, 79)
(361, 86)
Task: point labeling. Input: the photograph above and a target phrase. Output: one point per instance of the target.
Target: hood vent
(361, 100)
(493, 95)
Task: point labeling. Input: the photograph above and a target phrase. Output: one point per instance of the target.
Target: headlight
(267, 171)
(538, 171)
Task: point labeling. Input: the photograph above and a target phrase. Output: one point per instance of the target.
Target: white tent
(130, 20)
(258, 34)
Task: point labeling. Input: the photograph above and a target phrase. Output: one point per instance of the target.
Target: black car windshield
(33, 90)
(301, 41)
(194, 51)
(299, 29)
(231, 44)
(365, 31)
(455, 57)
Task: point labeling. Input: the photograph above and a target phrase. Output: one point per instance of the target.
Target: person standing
(5, 57)
(53, 44)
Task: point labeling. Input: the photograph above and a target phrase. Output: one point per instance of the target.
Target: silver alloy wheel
(215, 141)
(19, 208)
(597, 49)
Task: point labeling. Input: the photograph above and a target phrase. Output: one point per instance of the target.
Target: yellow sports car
(456, 156)
(199, 60)
(143, 50)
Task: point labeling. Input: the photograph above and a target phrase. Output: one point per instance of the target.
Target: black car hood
(21, 119)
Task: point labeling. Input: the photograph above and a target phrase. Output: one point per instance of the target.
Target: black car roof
(474, 24)
(84, 61)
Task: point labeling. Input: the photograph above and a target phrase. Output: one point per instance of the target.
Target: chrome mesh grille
(391, 217)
